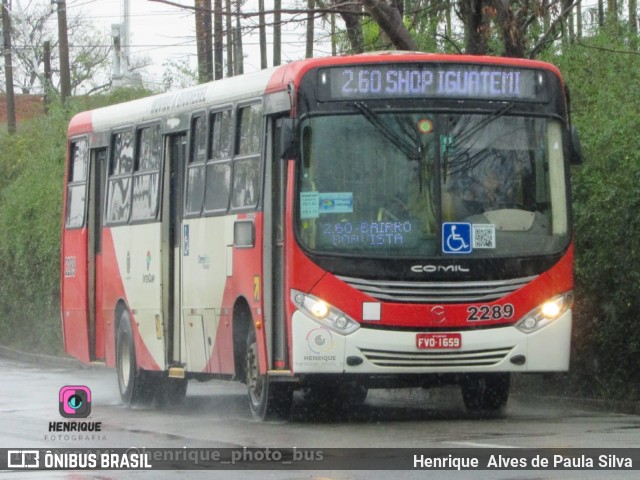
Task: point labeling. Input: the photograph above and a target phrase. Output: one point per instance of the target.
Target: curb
(591, 404)
(555, 390)
(40, 359)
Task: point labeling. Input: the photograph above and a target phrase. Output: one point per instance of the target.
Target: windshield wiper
(484, 122)
(373, 118)
(477, 158)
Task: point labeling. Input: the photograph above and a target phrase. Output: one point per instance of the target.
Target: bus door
(175, 154)
(274, 215)
(82, 321)
(98, 171)
(203, 279)
(203, 241)
(75, 321)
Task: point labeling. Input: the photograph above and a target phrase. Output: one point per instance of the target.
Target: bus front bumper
(317, 349)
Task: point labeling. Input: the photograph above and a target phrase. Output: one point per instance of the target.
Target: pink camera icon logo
(75, 401)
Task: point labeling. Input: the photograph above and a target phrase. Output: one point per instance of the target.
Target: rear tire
(486, 393)
(268, 400)
(136, 385)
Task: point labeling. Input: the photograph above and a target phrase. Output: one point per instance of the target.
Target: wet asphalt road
(215, 415)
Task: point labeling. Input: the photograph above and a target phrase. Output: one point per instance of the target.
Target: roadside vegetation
(31, 188)
(604, 76)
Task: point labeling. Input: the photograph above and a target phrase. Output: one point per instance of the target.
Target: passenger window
(196, 166)
(218, 169)
(250, 129)
(146, 179)
(121, 168)
(77, 186)
(246, 163)
(221, 135)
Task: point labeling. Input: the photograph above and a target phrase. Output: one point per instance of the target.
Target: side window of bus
(196, 166)
(246, 162)
(218, 173)
(120, 170)
(146, 177)
(77, 185)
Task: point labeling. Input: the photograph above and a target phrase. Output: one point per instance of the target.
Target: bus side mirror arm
(288, 138)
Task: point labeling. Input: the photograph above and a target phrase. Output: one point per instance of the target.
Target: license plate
(438, 341)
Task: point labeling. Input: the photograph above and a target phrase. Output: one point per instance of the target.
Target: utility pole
(116, 67)
(121, 74)
(277, 32)
(262, 28)
(63, 45)
(8, 67)
(47, 75)
(126, 34)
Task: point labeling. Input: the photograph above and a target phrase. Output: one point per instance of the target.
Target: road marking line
(480, 445)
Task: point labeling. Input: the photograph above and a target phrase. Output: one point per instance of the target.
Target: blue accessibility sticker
(456, 237)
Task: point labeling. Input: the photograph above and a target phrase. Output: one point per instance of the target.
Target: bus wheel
(172, 391)
(336, 395)
(136, 385)
(486, 393)
(268, 400)
(354, 395)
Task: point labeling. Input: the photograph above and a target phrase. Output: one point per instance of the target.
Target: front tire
(336, 394)
(268, 400)
(486, 393)
(136, 385)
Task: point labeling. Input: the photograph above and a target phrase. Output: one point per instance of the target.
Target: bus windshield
(393, 183)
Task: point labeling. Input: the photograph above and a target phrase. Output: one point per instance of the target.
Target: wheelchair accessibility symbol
(456, 237)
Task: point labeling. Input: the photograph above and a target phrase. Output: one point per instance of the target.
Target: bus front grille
(435, 359)
(437, 292)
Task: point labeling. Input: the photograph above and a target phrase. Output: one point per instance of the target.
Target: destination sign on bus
(489, 82)
(367, 234)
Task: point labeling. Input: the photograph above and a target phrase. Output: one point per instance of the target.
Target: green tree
(602, 72)
(31, 189)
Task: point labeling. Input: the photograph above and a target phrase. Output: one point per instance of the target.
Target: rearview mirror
(288, 138)
(575, 148)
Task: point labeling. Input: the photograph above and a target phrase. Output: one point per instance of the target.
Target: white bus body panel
(204, 276)
(139, 263)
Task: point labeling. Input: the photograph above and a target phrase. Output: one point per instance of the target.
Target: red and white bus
(331, 225)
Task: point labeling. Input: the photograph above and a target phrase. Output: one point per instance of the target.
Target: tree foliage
(31, 186)
(34, 25)
(602, 72)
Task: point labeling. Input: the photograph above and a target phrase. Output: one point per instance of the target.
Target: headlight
(324, 313)
(545, 313)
